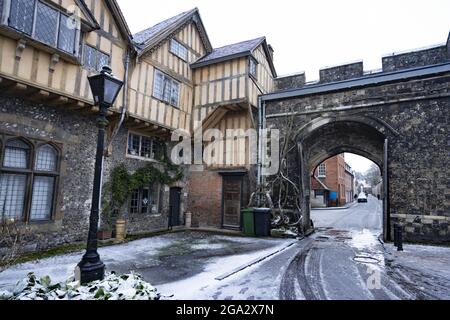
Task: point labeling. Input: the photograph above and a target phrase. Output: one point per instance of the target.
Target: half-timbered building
(173, 79)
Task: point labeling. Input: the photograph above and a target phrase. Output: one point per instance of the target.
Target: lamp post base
(90, 269)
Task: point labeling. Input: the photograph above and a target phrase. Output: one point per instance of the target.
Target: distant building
(333, 183)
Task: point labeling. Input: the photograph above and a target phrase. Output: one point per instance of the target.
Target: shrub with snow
(112, 287)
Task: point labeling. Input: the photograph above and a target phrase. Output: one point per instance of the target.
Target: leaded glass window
(67, 34)
(46, 158)
(253, 67)
(95, 59)
(21, 15)
(17, 154)
(22, 183)
(12, 196)
(178, 49)
(46, 24)
(166, 89)
(41, 203)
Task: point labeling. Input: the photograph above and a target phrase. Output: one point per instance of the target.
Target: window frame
(5, 22)
(140, 193)
(256, 63)
(166, 77)
(97, 51)
(177, 53)
(30, 172)
(138, 156)
(320, 169)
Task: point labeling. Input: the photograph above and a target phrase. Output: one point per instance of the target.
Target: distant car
(362, 197)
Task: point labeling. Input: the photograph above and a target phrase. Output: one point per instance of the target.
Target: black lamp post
(105, 89)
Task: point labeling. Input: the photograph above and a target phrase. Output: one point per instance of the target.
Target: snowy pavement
(343, 260)
(177, 264)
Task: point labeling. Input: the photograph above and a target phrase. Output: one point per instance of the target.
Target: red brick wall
(205, 199)
(333, 180)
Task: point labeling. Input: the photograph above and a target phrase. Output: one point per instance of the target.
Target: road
(344, 260)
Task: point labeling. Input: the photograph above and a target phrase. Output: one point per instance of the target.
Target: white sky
(309, 35)
(358, 163)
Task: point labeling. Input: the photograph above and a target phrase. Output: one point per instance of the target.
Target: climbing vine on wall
(122, 183)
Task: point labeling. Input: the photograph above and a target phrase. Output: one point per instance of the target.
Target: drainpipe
(261, 124)
(123, 109)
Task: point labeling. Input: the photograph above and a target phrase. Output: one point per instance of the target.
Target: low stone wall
(423, 229)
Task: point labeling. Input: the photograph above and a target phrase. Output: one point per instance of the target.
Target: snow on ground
(227, 253)
(204, 285)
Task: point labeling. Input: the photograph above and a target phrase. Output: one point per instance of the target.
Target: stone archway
(324, 138)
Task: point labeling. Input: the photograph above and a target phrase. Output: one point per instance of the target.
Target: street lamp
(105, 88)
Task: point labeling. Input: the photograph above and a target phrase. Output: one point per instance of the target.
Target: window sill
(142, 158)
(165, 102)
(17, 35)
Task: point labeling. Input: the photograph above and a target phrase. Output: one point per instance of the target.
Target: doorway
(174, 207)
(231, 203)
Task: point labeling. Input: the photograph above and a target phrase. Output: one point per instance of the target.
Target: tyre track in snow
(304, 270)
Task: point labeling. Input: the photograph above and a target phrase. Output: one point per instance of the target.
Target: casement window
(166, 88)
(28, 179)
(253, 67)
(322, 171)
(146, 200)
(43, 23)
(95, 59)
(144, 147)
(178, 49)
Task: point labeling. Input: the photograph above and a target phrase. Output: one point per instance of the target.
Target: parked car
(362, 197)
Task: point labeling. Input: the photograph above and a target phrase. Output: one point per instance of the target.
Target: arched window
(28, 178)
(17, 154)
(43, 185)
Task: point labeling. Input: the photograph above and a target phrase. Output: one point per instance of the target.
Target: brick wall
(205, 199)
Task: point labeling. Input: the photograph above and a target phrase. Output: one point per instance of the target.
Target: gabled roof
(237, 50)
(116, 13)
(119, 19)
(91, 21)
(149, 38)
(318, 185)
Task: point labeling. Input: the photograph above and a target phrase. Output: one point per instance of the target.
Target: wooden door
(232, 195)
(175, 202)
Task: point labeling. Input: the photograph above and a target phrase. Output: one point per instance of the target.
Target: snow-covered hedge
(113, 287)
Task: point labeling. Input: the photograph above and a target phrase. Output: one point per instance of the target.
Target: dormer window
(42, 22)
(178, 49)
(253, 67)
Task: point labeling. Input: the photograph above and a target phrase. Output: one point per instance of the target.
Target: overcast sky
(310, 35)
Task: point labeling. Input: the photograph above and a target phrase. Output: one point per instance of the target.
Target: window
(178, 49)
(95, 59)
(28, 179)
(146, 200)
(322, 171)
(46, 24)
(253, 67)
(144, 147)
(166, 89)
(43, 23)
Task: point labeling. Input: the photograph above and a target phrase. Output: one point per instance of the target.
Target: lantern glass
(105, 87)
